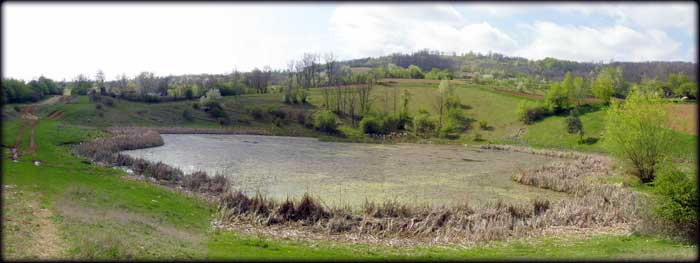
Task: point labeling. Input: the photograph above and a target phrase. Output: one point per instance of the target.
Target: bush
(424, 125)
(98, 106)
(277, 113)
(325, 121)
(215, 110)
(187, 115)
(678, 199)
(195, 106)
(371, 125)
(257, 113)
(244, 119)
(637, 132)
(108, 101)
(483, 125)
(301, 117)
(529, 112)
(390, 124)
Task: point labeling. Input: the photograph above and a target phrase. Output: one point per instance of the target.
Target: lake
(350, 173)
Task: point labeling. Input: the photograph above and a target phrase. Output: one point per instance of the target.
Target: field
(69, 208)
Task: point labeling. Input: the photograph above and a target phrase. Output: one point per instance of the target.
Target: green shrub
(390, 124)
(483, 125)
(529, 112)
(244, 119)
(195, 106)
(215, 110)
(678, 202)
(325, 121)
(424, 125)
(187, 115)
(276, 113)
(637, 132)
(371, 125)
(257, 113)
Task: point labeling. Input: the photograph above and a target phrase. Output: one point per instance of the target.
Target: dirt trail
(29, 120)
(29, 233)
(48, 244)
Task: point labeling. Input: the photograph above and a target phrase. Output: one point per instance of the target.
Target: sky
(63, 40)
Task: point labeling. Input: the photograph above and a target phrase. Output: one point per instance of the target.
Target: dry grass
(591, 206)
(105, 151)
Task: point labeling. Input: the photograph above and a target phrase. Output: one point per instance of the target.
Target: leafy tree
(688, 89)
(371, 125)
(580, 90)
(557, 99)
(603, 87)
(636, 132)
(415, 72)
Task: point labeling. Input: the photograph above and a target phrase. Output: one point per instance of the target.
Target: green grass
(227, 245)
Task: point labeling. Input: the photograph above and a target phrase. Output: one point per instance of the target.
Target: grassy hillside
(68, 208)
(480, 103)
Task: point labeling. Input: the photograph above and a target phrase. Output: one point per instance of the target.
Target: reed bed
(105, 151)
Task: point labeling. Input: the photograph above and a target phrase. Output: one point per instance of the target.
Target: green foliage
(557, 99)
(529, 112)
(423, 124)
(580, 90)
(678, 198)
(454, 124)
(415, 72)
(215, 109)
(574, 124)
(436, 74)
(325, 121)
(187, 115)
(637, 132)
(16, 91)
(371, 125)
(610, 82)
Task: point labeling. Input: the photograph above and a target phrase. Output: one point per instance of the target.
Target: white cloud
(582, 43)
(641, 15)
(373, 30)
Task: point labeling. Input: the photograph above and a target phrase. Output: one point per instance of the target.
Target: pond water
(350, 173)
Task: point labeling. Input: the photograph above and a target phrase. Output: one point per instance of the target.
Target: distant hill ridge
(501, 66)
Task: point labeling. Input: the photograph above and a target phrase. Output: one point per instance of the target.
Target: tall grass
(105, 151)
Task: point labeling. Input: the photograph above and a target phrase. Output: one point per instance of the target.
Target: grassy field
(68, 208)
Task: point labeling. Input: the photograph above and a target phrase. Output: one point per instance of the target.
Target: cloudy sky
(63, 40)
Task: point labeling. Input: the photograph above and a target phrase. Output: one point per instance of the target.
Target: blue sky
(63, 40)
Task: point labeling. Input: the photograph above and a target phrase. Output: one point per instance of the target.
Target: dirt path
(30, 121)
(29, 232)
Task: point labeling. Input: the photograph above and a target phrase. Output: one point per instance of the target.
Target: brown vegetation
(105, 151)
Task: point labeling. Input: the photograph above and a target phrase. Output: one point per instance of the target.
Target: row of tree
(18, 91)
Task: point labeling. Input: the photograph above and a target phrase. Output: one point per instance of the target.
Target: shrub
(637, 132)
(478, 137)
(371, 125)
(529, 112)
(483, 125)
(195, 106)
(187, 115)
(390, 124)
(257, 113)
(108, 101)
(245, 119)
(277, 113)
(215, 109)
(424, 125)
(98, 106)
(574, 125)
(325, 121)
(678, 201)
(454, 124)
(301, 117)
